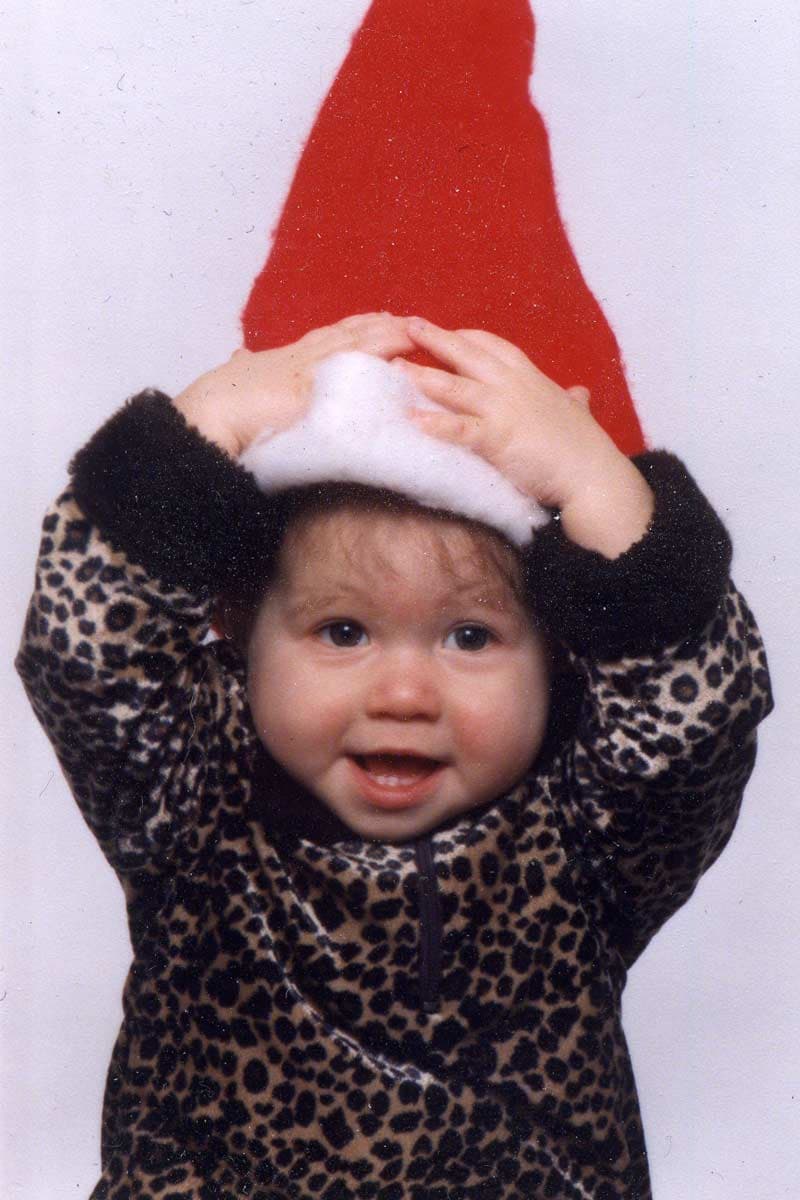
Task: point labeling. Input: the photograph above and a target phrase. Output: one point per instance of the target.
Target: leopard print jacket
(311, 1015)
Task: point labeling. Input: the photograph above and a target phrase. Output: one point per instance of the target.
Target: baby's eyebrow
(478, 592)
(309, 600)
(304, 602)
(486, 598)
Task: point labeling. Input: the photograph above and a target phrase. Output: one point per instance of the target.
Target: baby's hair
(294, 516)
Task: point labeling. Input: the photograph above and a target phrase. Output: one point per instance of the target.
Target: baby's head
(393, 666)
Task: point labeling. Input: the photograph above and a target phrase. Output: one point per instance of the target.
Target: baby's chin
(397, 827)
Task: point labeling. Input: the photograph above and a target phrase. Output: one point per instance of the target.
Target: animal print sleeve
(656, 775)
(676, 682)
(140, 712)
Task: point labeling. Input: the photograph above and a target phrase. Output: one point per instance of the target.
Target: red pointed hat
(426, 187)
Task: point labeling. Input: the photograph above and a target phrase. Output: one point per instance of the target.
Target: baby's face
(393, 674)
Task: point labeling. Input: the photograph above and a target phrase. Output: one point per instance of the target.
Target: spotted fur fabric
(311, 1015)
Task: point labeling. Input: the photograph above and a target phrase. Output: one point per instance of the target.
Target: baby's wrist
(608, 509)
(203, 415)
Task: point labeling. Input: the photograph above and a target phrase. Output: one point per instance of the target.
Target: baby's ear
(235, 612)
(228, 620)
(218, 624)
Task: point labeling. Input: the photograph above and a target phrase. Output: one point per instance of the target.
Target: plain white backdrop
(147, 151)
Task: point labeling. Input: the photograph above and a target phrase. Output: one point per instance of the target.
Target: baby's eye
(343, 633)
(470, 637)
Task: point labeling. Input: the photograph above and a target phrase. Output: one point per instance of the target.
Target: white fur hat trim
(356, 430)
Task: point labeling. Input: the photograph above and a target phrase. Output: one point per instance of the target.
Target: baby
(384, 883)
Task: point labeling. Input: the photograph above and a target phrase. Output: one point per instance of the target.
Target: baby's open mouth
(395, 780)
(397, 770)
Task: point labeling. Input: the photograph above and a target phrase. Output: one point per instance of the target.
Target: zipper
(430, 926)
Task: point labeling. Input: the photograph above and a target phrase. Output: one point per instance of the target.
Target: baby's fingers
(504, 351)
(452, 391)
(381, 334)
(449, 427)
(464, 355)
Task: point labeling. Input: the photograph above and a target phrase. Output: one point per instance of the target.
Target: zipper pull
(430, 930)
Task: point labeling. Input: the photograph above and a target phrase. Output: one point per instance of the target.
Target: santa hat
(426, 187)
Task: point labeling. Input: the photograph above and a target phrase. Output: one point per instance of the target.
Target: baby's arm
(111, 655)
(675, 683)
(144, 717)
(633, 580)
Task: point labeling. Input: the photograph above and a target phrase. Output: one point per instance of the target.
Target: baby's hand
(542, 437)
(232, 404)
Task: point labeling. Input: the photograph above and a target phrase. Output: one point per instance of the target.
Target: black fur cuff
(170, 499)
(664, 588)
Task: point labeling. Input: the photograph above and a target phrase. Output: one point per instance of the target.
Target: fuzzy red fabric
(426, 187)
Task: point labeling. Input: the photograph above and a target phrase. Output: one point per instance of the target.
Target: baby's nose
(404, 687)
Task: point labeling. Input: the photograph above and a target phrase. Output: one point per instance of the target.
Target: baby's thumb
(581, 394)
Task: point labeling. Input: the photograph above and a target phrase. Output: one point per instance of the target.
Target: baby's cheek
(483, 732)
(297, 719)
(504, 729)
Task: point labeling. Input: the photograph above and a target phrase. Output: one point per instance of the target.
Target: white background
(147, 152)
